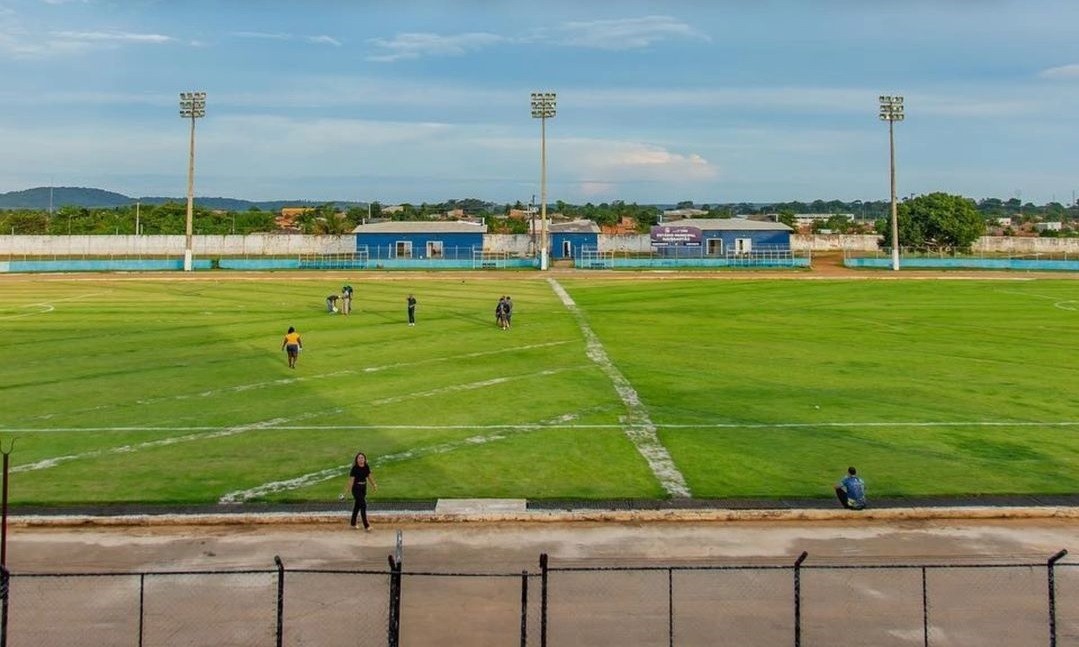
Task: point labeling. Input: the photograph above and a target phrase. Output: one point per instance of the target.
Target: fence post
(393, 632)
(798, 598)
(925, 609)
(1052, 596)
(142, 605)
(280, 634)
(5, 590)
(670, 606)
(524, 608)
(543, 599)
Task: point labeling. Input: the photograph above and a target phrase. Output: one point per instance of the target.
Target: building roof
(727, 224)
(421, 227)
(574, 227)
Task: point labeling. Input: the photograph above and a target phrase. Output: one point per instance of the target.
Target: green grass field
(168, 390)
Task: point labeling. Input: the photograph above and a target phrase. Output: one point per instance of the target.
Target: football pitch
(155, 389)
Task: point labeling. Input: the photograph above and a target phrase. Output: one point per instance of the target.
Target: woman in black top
(358, 478)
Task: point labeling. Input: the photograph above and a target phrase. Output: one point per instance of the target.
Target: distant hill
(39, 198)
(43, 197)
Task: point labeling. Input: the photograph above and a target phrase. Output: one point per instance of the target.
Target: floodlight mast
(192, 106)
(543, 108)
(891, 110)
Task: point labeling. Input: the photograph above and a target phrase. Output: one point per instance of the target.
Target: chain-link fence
(799, 603)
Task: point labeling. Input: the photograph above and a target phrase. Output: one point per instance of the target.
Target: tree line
(932, 221)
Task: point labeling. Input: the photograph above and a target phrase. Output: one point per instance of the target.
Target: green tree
(937, 221)
(786, 216)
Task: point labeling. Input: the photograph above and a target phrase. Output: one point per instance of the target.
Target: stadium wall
(12, 247)
(226, 245)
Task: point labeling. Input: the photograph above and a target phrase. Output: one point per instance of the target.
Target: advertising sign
(670, 236)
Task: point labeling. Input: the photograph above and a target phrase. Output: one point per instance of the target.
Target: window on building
(404, 249)
(743, 245)
(715, 246)
(434, 249)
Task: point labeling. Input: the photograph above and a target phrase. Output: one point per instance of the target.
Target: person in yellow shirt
(292, 345)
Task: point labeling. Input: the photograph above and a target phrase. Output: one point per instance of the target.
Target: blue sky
(711, 101)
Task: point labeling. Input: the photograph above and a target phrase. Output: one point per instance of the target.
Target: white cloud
(116, 36)
(1070, 71)
(416, 45)
(320, 39)
(625, 33)
(323, 40)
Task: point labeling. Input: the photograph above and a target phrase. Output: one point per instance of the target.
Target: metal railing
(797, 603)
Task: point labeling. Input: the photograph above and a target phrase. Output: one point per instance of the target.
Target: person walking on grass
(346, 300)
(507, 312)
(500, 313)
(411, 310)
(292, 345)
(851, 491)
(358, 478)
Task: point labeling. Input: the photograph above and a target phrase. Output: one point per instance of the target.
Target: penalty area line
(527, 426)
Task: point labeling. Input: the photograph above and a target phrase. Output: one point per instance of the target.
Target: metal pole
(5, 591)
(3, 505)
(524, 608)
(543, 600)
(280, 634)
(670, 607)
(544, 252)
(1052, 596)
(895, 216)
(188, 264)
(925, 609)
(798, 598)
(142, 605)
(3, 513)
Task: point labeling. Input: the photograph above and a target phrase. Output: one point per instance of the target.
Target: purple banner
(667, 236)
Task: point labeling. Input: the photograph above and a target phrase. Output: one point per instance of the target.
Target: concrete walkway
(521, 510)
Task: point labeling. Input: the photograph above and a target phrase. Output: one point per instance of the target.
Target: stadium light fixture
(192, 106)
(543, 108)
(891, 110)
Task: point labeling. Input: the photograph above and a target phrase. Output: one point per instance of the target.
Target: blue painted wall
(577, 240)
(454, 245)
(769, 239)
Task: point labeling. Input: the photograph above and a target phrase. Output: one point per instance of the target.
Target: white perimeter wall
(515, 244)
(249, 245)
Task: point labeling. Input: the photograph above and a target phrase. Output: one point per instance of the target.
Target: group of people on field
(345, 299)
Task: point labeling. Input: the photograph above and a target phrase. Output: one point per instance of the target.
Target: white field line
(240, 388)
(470, 386)
(163, 442)
(1065, 304)
(639, 426)
(373, 369)
(45, 307)
(509, 427)
(306, 480)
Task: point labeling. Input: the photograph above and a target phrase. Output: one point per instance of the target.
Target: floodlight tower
(543, 108)
(891, 110)
(192, 106)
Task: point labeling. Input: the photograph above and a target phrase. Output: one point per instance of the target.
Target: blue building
(568, 238)
(721, 237)
(428, 240)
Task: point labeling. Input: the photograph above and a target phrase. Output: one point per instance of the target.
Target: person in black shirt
(411, 310)
(358, 478)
